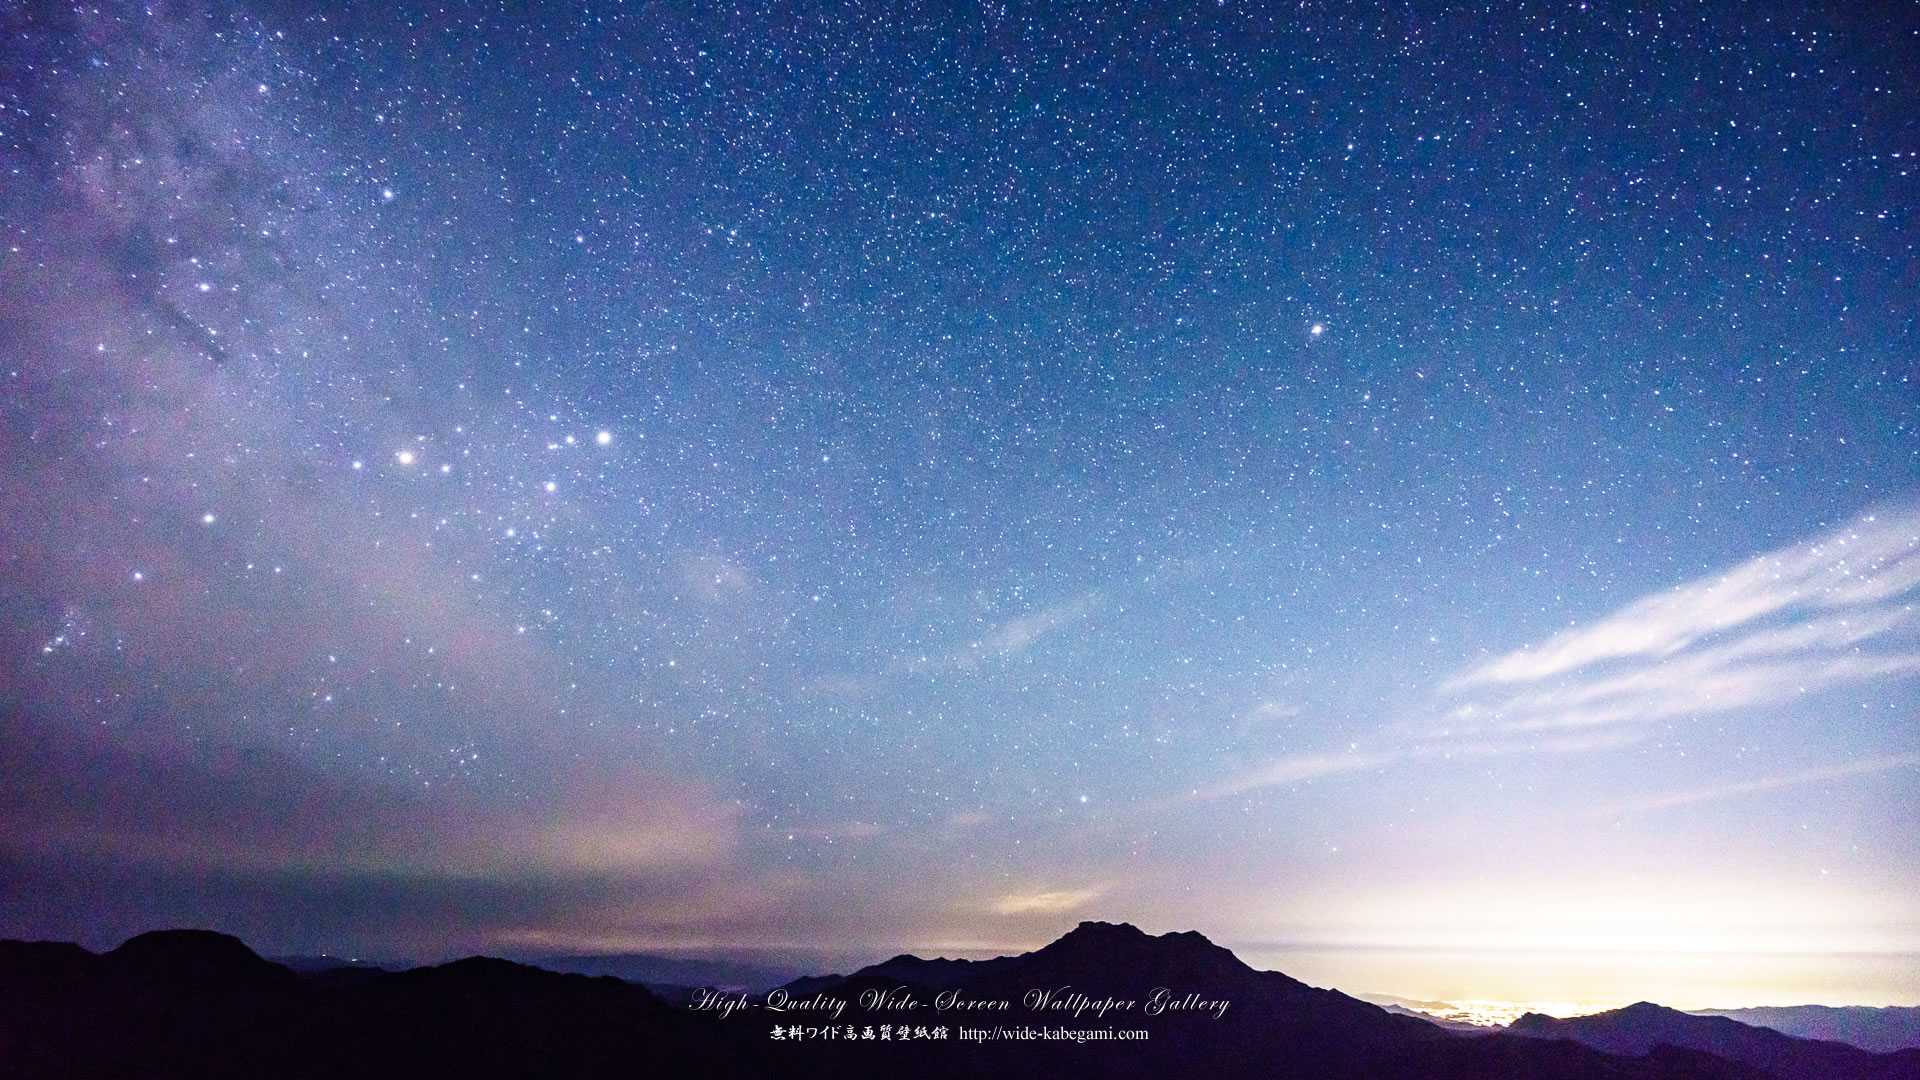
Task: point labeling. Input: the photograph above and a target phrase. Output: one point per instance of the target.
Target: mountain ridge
(1881, 1029)
(1638, 1028)
(198, 1003)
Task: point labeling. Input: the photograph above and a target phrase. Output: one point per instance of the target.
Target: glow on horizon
(1596, 980)
(1485, 1012)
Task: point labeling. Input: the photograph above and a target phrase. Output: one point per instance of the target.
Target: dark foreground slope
(192, 1003)
(186, 1003)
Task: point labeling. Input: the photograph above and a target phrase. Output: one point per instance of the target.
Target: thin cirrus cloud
(1806, 617)
(1867, 766)
(1016, 635)
(1305, 767)
(1299, 768)
(1046, 903)
(1826, 612)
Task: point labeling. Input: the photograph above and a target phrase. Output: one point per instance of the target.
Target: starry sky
(1358, 479)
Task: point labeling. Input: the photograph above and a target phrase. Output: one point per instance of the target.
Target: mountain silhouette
(1882, 1030)
(195, 962)
(198, 1004)
(201, 1004)
(1272, 1025)
(167, 1003)
(1639, 1028)
(650, 969)
(937, 974)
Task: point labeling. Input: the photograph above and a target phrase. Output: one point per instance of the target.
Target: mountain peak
(1107, 933)
(1094, 929)
(189, 952)
(177, 942)
(1127, 935)
(1105, 950)
(197, 957)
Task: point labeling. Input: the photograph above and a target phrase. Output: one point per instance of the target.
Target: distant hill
(1639, 1028)
(937, 974)
(677, 971)
(308, 965)
(196, 1004)
(331, 970)
(1882, 1030)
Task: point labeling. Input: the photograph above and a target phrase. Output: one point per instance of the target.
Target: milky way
(850, 479)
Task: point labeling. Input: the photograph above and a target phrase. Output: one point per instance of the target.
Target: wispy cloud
(1863, 767)
(1293, 770)
(1016, 635)
(1263, 714)
(1802, 618)
(1046, 903)
(1831, 611)
(1304, 767)
(967, 819)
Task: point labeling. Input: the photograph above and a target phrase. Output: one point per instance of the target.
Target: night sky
(1342, 478)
